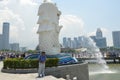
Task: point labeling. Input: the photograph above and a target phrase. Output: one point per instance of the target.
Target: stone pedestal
(75, 70)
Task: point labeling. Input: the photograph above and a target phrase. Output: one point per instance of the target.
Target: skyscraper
(101, 42)
(99, 33)
(1, 41)
(69, 42)
(5, 36)
(14, 46)
(80, 41)
(72, 43)
(116, 38)
(75, 43)
(99, 39)
(65, 43)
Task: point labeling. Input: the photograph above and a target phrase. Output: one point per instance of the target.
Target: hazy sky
(79, 17)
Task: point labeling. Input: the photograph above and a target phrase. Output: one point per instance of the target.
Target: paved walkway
(30, 76)
(49, 78)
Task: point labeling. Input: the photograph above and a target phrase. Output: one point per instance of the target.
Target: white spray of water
(88, 43)
(47, 0)
(102, 67)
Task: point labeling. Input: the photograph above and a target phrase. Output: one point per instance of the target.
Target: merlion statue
(45, 1)
(49, 28)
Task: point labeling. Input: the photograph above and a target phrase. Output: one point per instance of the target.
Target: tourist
(42, 60)
(23, 55)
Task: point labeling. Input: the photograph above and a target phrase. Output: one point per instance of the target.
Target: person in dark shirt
(42, 60)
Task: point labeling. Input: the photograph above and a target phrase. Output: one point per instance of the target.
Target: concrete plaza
(29, 76)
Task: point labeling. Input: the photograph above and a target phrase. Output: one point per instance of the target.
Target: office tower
(80, 41)
(6, 35)
(93, 37)
(116, 38)
(99, 33)
(99, 39)
(1, 41)
(65, 43)
(14, 46)
(101, 43)
(73, 45)
(23, 49)
(69, 42)
(75, 42)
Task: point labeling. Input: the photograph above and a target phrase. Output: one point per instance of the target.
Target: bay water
(97, 73)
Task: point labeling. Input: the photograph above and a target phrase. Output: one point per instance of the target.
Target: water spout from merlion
(47, 1)
(49, 28)
(92, 49)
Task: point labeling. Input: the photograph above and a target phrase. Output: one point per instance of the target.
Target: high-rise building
(79, 41)
(72, 43)
(1, 41)
(23, 49)
(99, 33)
(5, 36)
(116, 38)
(65, 43)
(99, 39)
(14, 46)
(4, 39)
(75, 43)
(69, 42)
(101, 42)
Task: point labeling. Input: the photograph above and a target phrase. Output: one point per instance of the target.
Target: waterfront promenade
(107, 59)
(30, 76)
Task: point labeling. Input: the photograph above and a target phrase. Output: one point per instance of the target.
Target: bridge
(108, 59)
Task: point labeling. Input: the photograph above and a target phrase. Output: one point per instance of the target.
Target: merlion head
(49, 12)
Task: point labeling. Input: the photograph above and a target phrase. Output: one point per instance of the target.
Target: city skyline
(78, 18)
(4, 39)
(79, 42)
(116, 38)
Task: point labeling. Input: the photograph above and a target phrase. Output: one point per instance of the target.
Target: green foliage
(68, 50)
(19, 63)
(103, 49)
(31, 51)
(52, 62)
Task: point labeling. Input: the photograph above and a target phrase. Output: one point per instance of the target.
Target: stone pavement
(29, 76)
(49, 78)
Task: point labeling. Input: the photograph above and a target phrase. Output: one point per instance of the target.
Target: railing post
(68, 77)
(119, 60)
(74, 78)
(114, 60)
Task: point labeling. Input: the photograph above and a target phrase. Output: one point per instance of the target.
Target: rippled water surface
(97, 72)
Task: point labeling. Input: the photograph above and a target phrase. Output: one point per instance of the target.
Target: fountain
(48, 31)
(92, 49)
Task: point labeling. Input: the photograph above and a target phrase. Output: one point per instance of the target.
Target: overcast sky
(79, 17)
